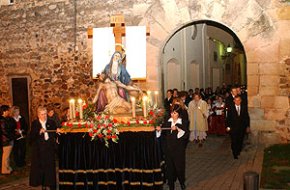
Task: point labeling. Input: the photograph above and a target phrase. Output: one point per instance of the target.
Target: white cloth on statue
(43, 125)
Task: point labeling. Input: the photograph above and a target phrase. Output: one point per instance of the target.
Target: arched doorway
(207, 53)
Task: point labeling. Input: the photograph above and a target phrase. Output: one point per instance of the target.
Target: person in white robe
(198, 114)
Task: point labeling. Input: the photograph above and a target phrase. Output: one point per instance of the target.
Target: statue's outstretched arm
(127, 87)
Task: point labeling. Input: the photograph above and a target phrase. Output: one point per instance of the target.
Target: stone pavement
(210, 167)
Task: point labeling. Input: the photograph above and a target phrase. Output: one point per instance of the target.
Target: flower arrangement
(105, 128)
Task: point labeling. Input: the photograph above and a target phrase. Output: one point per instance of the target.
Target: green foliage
(276, 167)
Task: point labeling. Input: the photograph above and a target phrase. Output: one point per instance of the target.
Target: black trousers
(237, 139)
(175, 167)
(19, 150)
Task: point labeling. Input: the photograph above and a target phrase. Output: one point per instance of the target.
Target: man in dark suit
(238, 121)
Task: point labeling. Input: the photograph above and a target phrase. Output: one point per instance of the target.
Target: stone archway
(201, 48)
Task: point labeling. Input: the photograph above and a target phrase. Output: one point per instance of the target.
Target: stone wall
(47, 40)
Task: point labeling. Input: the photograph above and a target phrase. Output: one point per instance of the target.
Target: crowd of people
(192, 115)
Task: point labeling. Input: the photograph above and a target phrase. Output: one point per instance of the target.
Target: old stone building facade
(47, 42)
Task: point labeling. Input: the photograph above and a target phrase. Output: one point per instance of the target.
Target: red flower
(151, 122)
(107, 117)
(145, 122)
(114, 136)
(108, 137)
(110, 125)
(91, 134)
(137, 121)
(98, 117)
(86, 125)
(100, 135)
(85, 106)
(109, 131)
(128, 123)
(77, 114)
(95, 130)
(115, 120)
(91, 125)
(63, 123)
(99, 126)
(79, 125)
(151, 113)
(70, 125)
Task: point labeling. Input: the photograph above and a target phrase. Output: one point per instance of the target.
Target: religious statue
(115, 87)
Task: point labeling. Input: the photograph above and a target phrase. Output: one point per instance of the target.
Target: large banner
(135, 49)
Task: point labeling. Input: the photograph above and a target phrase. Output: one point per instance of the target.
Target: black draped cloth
(131, 164)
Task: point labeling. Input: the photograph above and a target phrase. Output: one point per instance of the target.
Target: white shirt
(180, 132)
(238, 108)
(43, 125)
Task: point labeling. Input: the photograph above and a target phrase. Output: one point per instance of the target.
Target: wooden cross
(119, 30)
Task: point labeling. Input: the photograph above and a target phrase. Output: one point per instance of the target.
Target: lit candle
(149, 98)
(133, 101)
(145, 106)
(73, 108)
(80, 101)
(156, 98)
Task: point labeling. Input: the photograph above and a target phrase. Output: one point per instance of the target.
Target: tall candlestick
(145, 106)
(80, 101)
(133, 101)
(70, 109)
(156, 98)
(73, 109)
(149, 99)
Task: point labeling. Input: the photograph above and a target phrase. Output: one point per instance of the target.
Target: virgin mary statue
(114, 72)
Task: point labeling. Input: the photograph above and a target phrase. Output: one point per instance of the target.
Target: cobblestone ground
(210, 167)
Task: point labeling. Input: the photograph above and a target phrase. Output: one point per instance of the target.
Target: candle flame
(145, 98)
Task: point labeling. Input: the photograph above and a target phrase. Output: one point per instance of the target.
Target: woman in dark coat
(174, 140)
(19, 148)
(43, 169)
